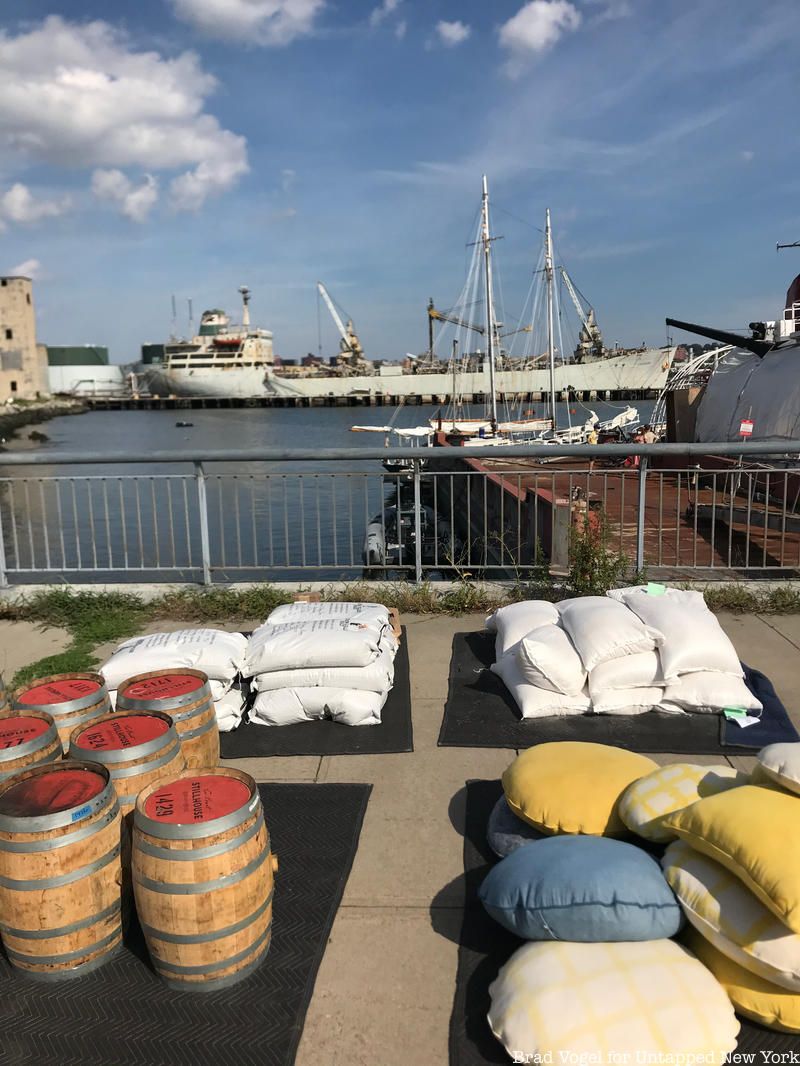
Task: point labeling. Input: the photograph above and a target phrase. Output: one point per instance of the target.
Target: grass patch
(75, 659)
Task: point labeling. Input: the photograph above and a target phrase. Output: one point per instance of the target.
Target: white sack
(288, 706)
(641, 670)
(693, 638)
(536, 702)
(230, 710)
(218, 654)
(603, 629)
(374, 614)
(708, 692)
(302, 645)
(628, 700)
(547, 659)
(512, 623)
(377, 676)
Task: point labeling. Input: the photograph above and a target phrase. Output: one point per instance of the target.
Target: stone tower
(23, 365)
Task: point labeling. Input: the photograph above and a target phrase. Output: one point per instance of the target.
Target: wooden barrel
(27, 739)
(185, 695)
(137, 748)
(72, 700)
(203, 877)
(60, 875)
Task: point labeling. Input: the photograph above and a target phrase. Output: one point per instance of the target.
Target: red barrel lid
(69, 688)
(122, 731)
(191, 800)
(50, 792)
(162, 687)
(21, 729)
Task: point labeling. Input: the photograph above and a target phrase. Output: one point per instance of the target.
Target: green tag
(735, 712)
(653, 589)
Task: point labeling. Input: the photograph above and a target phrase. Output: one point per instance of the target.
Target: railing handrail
(287, 455)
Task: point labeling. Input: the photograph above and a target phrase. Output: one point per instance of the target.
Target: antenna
(191, 317)
(778, 247)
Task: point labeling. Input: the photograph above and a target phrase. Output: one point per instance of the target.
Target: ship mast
(243, 289)
(490, 323)
(548, 269)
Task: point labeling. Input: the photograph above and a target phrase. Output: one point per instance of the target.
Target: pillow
(602, 629)
(646, 802)
(627, 700)
(534, 702)
(752, 831)
(781, 764)
(731, 918)
(705, 691)
(572, 787)
(640, 670)
(515, 621)
(584, 889)
(693, 638)
(751, 995)
(505, 832)
(620, 1003)
(547, 658)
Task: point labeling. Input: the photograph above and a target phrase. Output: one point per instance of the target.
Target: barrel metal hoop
(195, 889)
(50, 757)
(47, 976)
(32, 847)
(144, 767)
(68, 956)
(184, 831)
(195, 712)
(192, 733)
(10, 824)
(32, 746)
(62, 879)
(80, 703)
(49, 934)
(221, 982)
(210, 967)
(200, 853)
(204, 938)
(163, 704)
(123, 754)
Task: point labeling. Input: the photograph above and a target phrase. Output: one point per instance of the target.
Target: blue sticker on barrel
(81, 812)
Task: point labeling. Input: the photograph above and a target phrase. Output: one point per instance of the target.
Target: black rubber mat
(481, 713)
(394, 734)
(123, 1015)
(485, 946)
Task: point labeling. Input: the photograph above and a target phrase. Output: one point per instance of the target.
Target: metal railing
(723, 510)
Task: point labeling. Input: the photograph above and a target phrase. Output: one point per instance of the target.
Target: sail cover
(765, 391)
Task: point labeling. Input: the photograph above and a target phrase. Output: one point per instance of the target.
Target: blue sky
(190, 146)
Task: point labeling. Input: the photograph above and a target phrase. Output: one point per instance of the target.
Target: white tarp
(766, 391)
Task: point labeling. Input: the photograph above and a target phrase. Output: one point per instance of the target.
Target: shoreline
(15, 417)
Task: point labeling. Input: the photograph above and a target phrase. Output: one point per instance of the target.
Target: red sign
(122, 731)
(746, 427)
(190, 799)
(163, 687)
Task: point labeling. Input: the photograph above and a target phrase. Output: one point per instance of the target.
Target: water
(290, 521)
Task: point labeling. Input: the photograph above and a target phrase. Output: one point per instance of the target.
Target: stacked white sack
(314, 660)
(544, 674)
(510, 624)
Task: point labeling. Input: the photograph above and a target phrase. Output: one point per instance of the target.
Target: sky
(187, 147)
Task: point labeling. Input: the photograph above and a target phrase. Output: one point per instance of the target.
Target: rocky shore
(16, 416)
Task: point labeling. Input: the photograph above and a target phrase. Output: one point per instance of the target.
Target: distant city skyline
(188, 147)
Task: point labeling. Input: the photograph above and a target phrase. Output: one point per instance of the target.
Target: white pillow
(602, 629)
(693, 638)
(626, 1002)
(627, 700)
(547, 658)
(292, 705)
(730, 917)
(303, 645)
(707, 692)
(781, 763)
(536, 702)
(217, 653)
(377, 676)
(515, 621)
(641, 670)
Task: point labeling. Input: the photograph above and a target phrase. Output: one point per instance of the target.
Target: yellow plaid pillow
(751, 995)
(609, 1001)
(671, 788)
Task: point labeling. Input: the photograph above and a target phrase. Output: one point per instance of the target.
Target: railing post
(417, 524)
(640, 515)
(202, 503)
(3, 570)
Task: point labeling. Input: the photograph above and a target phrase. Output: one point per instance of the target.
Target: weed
(76, 658)
(593, 567)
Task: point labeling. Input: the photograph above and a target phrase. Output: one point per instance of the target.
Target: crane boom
(574, 297)
(445, 316)
(335, 315)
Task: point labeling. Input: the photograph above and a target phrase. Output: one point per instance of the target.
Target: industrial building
(23, 363)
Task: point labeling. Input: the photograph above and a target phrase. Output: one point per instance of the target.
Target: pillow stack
(322, 660)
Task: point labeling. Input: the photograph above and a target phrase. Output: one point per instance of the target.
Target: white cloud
(78, 95)
(386, 8)
(747, 155)
(400, 29)
(535, 28)
(288, 179)
(18, 204)
(31, 268)
(134, 201)
(452, 33)
(612, 10)
(265, 22)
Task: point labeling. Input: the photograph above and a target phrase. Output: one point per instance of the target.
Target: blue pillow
(583, 889)
(506, 832)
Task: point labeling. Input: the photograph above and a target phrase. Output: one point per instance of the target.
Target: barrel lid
(20, 729)
(163, 686)
(66, 688)
(122, 731)
(57, 789)
(197, 798)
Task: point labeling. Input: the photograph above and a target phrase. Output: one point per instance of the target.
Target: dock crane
(351, 354)
(434, 315)
(590, 341)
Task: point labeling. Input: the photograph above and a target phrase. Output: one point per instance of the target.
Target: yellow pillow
(571, 787)
(647, 801)
(751, 995)
(752, 831)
